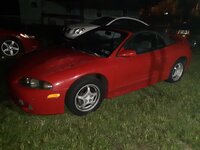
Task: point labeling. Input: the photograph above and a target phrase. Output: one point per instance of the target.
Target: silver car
(128, 23)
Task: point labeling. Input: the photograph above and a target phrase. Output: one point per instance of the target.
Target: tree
(186, 8)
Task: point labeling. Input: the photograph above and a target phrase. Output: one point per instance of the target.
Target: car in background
(190, 31)
(14, 43)
(185, 29)
(102, 63)
(180, 28)
(128, 23)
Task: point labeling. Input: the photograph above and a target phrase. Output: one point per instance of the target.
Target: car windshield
(102, 21)
(99, 42)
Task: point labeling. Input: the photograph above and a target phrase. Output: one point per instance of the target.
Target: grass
(164, 116)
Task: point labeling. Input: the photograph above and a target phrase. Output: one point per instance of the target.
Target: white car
(128, 23)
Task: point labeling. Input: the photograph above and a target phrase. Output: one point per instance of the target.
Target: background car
(74, 30)
(175, 25)
(186, 30)
(14, 43)
(102, 63)
(190, 30)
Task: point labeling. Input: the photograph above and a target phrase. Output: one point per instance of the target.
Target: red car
(13, 43)
(102, 63)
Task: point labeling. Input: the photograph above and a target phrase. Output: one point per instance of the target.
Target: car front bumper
(36, 101)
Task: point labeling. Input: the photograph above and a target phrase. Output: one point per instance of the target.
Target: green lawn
(163, 116)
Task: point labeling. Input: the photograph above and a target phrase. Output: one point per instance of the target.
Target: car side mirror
(127, 53)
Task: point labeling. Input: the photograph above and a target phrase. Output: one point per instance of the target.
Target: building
(62, 12)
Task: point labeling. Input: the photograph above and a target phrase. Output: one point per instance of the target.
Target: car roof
(131, 18)
(111, 19)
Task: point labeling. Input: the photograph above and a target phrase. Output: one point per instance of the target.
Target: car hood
(74, 26)
(49, 62)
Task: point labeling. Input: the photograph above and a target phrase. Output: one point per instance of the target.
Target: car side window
(145, 42)
(142, 42)
(160, 42)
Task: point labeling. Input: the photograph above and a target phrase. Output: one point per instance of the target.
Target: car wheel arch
(183, 58)
(82, 106)
(98, 76)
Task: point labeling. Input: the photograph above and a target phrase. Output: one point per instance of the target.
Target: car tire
(177, 71)
(10, 48)
(85, 96)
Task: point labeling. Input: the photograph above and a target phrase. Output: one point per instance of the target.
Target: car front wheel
(176, 71)
(85, 96)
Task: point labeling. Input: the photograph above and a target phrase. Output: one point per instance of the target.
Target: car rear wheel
(177, 71)
(85, 96)
(10, 47)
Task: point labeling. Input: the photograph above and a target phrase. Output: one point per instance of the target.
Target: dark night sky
(12, 9)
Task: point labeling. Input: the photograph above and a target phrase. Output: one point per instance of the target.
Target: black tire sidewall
(70, 97)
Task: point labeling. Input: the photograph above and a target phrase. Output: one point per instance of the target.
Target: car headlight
(35, 83)
(79, 30)
(27, 36)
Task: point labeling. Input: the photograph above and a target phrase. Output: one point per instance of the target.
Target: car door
(145, 67)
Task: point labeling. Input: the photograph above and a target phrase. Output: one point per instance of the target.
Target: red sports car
(13, 43)
(101, 63)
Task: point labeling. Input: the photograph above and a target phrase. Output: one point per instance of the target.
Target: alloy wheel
(10, 48)
(87, 97)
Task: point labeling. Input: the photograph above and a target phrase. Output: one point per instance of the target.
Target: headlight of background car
(79, 30)
(35, 83)
(27, 36)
